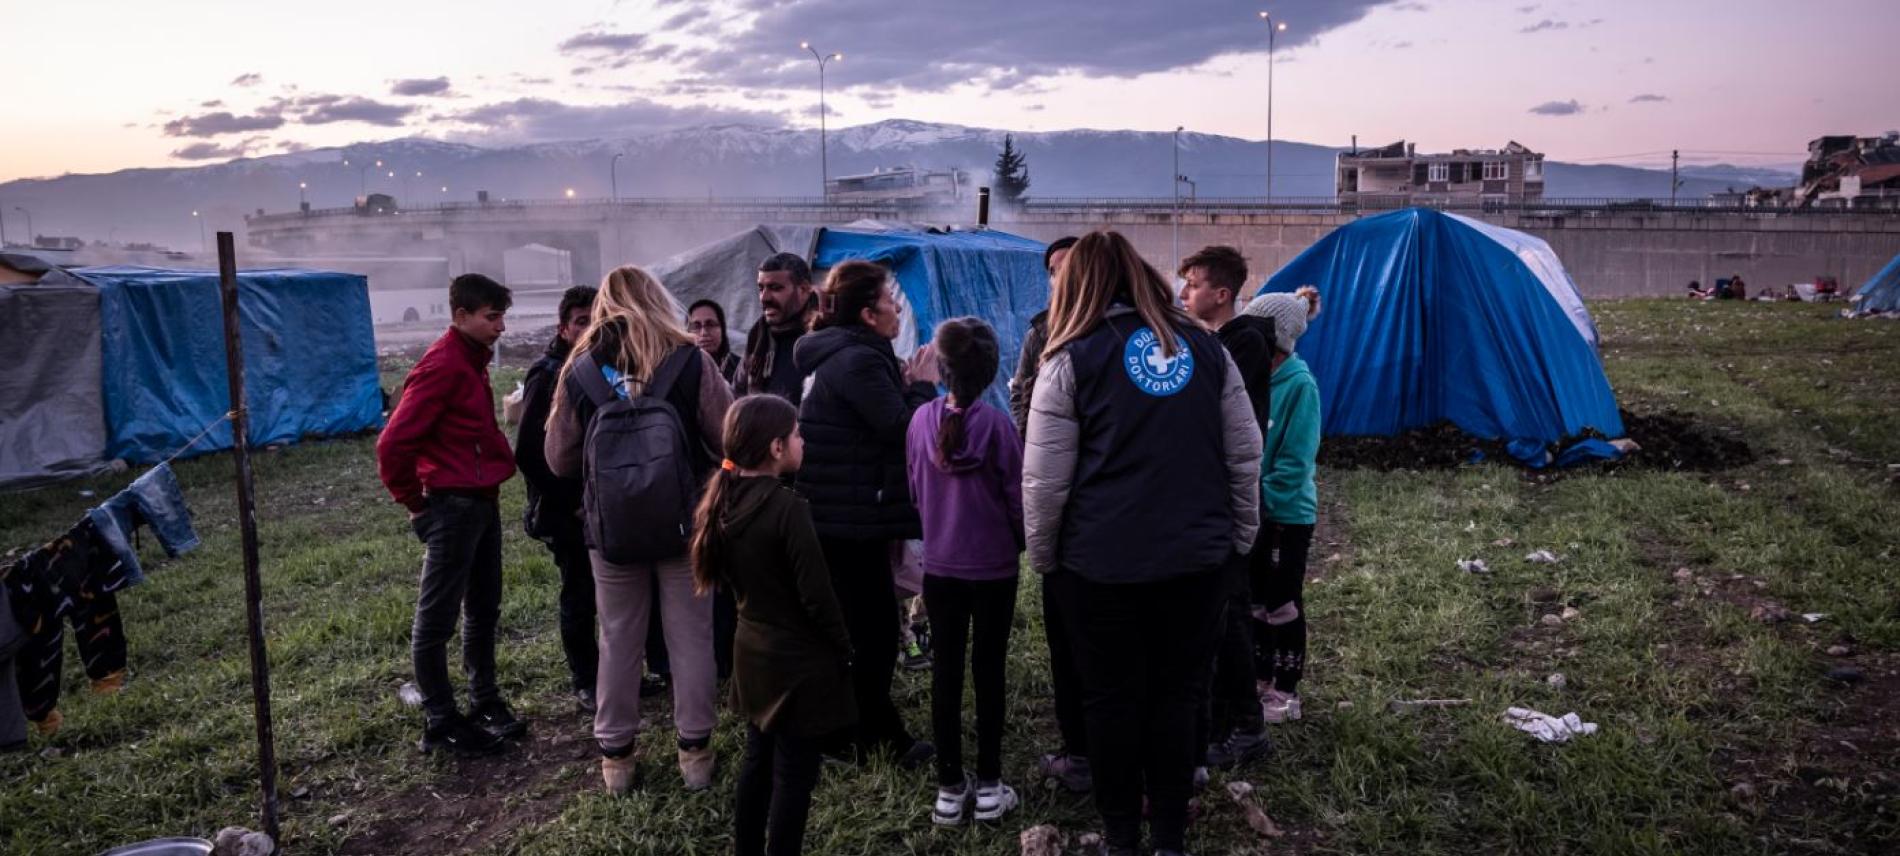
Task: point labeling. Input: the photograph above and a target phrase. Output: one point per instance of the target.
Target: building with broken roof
(1851, 172)
(1397, 175)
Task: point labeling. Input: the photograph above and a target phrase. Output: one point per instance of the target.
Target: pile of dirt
(1672, 441)
(1669, 441)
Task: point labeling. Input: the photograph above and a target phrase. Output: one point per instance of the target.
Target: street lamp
(203, 246)
(31, 239)
(362, 176)
(1272, 28)
(613, 175)
(302, 202)
(1175, 183)
(570, 193)
(824, 161)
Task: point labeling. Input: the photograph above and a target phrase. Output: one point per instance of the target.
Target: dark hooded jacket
(854, 417)
(791, 651)
(554, 503)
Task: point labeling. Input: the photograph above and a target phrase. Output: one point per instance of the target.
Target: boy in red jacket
(443, 457)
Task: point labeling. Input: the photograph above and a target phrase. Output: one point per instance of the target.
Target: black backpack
(636, 466)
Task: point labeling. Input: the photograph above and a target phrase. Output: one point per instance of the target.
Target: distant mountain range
(156, 205)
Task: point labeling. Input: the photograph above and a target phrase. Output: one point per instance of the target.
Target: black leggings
(1280, 580)
(773, 795)
(954, 606)
(861, 576)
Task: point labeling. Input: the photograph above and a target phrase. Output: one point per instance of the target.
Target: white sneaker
(993, 800)
(952, 803)
(1277, 707)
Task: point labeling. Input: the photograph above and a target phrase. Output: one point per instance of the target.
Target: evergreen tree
(1011, 177)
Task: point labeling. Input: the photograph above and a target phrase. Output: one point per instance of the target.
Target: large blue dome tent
(1431, 317)
(1882, 293)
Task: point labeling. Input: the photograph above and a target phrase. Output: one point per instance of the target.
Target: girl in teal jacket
(1289, 507)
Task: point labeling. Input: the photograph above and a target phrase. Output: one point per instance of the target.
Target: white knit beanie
(1289, 312)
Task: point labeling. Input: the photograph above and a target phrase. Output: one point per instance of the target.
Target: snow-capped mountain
(719, 160)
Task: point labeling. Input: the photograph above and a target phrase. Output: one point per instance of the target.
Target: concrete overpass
(1614, 248)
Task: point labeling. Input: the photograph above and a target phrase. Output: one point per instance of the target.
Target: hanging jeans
(151, 499)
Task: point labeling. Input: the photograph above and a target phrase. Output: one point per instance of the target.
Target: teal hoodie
(1286, 473)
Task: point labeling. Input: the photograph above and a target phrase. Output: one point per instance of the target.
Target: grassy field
(1721, 730)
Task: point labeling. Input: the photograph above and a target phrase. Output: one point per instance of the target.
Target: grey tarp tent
(52, 415)
(727, 270)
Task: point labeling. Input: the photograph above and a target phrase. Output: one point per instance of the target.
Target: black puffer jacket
(854, 418)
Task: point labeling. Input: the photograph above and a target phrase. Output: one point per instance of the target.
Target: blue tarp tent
(309, 357)
(1882, 293)
(1429, 317)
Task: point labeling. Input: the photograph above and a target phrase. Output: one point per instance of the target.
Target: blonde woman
(637, 417)
(1137, 420)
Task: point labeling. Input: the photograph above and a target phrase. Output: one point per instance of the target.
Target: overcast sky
(130, 83)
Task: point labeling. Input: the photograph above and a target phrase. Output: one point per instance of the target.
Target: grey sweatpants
(623, 595)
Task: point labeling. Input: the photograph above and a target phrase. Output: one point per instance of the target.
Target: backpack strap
(593, 383)
(670, 370)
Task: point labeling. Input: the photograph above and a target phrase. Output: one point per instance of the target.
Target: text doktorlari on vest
(1151, 369)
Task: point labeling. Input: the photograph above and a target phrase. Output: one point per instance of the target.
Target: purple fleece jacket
(972, 504)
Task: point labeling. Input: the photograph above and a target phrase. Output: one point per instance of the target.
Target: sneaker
(457, 734)
(621, 774)
(952, 805)
(920, 631)
(994, 799)
(497, 718)
(110, 684)
(1277, 707)
(1239, 749)
(1070, 771)
(652, 685)
(912, 658)
(696, 767)
(585, 701)
(48, 725)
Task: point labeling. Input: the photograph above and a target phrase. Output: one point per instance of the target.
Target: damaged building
(1851, 172)
(1397, 175)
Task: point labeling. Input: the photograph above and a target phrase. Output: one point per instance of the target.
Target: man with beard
(785, 295)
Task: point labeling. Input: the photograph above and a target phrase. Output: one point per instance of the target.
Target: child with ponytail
(965, 462)
(790, 653)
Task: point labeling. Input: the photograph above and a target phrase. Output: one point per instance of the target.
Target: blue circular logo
(1151, 369)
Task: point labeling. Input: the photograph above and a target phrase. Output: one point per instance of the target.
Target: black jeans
(578, 640)
(1065, 680)
(955, 605)
(861, 577)
(1279, 580)
(1233, 703)
(1145, 651)
(773, 795)
(461, 575)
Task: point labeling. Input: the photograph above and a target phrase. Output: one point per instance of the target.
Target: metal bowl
(163, 847)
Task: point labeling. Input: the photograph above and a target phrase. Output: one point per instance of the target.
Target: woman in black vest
(854, 417)
(1138, 417)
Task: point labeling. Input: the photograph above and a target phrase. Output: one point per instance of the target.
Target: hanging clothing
(71, 578)
(152, 499)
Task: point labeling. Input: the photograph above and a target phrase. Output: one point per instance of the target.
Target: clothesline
(228, 415)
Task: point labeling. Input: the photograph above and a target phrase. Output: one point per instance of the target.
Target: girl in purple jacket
(965, 463)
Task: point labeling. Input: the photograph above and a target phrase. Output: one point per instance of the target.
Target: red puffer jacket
(443, 435)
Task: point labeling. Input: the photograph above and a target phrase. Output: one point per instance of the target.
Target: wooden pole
(247, 525)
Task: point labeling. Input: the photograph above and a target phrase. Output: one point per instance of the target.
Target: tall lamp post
(202, 244)
(1174, 181)
(302, 201)
(1273, 27)
(31, 239)
(613, 176)
(362, 175)
(824, 160)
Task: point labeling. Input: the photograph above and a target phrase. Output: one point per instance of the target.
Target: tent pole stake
(247, 525)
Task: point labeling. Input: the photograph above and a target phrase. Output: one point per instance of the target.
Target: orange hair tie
(729, 466)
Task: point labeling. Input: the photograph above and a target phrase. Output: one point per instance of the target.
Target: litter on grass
(1547, 728)
(1473, 566)
(1542, 557)
(1257, 818)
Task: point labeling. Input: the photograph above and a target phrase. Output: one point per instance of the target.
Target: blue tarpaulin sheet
(1882, 293)
(992, 275)
(309, 357)
(1427, 317)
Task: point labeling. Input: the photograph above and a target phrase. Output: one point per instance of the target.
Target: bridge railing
(1553, 206)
